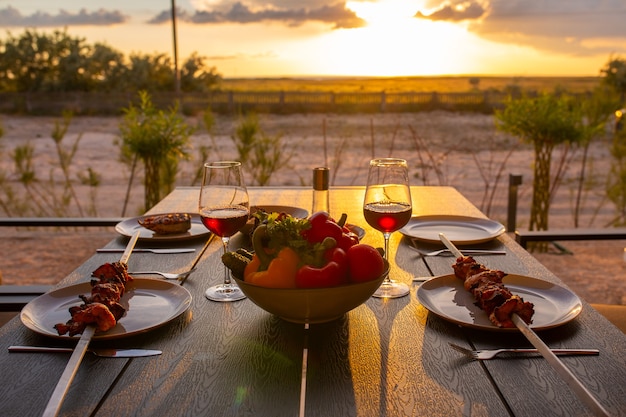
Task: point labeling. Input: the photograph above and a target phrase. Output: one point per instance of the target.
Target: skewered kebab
(490, 293)
(102, 306)
(467, 267)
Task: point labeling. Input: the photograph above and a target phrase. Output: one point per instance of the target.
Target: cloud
(576, 27)
(11, 17)
(289, 12)
(463, 10)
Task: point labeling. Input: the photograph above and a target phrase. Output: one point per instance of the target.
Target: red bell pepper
(322, 226)
(333, 273)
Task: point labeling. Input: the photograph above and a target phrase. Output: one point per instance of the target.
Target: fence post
(383, 101)
(514, 182)
(434, 101)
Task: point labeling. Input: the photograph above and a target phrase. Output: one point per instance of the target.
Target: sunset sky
(274, 38)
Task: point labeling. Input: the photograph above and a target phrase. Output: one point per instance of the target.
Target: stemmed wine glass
(224, 209)
(387, 207)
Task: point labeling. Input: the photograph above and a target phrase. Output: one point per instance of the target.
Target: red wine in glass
(223, 207)
(387, 217)
(224, 221)
(387, 208)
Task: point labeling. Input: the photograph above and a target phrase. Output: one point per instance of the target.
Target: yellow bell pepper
(280, 273)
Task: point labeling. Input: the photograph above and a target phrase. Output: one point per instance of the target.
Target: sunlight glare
(394, 42)
(383, 11)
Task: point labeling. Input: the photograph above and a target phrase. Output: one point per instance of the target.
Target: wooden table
(386, 357)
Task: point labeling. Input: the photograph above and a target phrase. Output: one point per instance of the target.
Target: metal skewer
(583, 393)
(60, 391)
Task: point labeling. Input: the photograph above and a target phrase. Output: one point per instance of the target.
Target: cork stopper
(320, 178)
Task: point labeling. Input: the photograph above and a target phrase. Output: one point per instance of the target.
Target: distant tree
(615, 76)
(544, 121)
(58, 62)
(194, 75)
(39, 62)
(31, 62)
(106, 69)
(149, 73)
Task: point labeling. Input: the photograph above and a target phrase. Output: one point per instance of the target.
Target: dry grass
(413, 84)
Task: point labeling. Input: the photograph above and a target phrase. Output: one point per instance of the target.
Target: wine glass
(387, 207)
(224, 209)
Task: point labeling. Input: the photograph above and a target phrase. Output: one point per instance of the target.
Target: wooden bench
(524, 236)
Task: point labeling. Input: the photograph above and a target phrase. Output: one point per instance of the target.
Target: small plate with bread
(164, 227)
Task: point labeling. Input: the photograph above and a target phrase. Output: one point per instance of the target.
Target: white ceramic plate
(461, 230)
(128, 228)
(297, 212)
(357, 230)
(149, 303)
(445, 296)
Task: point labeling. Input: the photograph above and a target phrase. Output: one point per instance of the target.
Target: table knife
(172, 250)
(106, 353)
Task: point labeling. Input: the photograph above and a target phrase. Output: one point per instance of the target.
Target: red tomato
(366, 263)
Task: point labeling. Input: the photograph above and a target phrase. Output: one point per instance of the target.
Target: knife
(118, 250)
(106, 353)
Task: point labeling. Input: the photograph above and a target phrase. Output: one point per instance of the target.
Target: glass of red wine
(224, 210)
(387, 207)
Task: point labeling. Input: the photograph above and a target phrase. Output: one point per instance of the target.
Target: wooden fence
(262, 102)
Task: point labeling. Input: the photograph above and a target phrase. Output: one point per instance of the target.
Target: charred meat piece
(101, 307)
(164, 224)
(490, 293)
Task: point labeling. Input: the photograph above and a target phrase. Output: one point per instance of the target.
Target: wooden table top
(386, 357)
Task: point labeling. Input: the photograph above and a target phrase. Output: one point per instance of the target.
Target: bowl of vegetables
(307, 270)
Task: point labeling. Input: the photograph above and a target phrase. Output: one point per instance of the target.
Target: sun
(383, 11)
(394, 42)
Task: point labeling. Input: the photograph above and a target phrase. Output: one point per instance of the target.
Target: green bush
(159, 139)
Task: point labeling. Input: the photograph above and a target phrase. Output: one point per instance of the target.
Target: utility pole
(176, 73)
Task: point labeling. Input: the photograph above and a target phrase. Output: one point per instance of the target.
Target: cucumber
(236, 262)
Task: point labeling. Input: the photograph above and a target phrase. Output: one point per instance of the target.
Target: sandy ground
(462, 150)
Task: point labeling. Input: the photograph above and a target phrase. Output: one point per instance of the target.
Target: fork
(491, 353)
(165, 275)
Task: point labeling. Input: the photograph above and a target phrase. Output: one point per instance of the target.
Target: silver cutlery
(486, 354)
(165, 275)
(105, 353)
(175, 250)
(465, 251)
